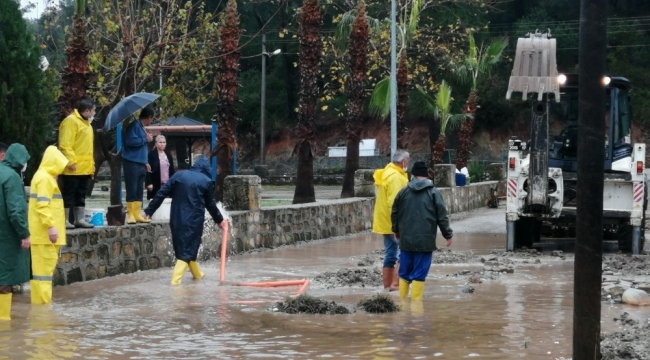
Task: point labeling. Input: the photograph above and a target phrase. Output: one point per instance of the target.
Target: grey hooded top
(417, 212)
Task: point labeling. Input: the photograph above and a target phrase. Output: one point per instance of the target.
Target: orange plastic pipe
(304, 283)
(224, 244)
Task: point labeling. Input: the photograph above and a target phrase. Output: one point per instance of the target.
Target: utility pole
(263, 101)
(393, 79)
(589, 222)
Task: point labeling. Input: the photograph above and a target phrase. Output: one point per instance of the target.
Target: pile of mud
(371, 258)
(351, 277)
(305, 304)
(626, 265)
(631, 343)
(447, 256)
(379, 304)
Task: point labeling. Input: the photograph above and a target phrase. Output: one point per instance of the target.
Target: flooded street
(526, 314)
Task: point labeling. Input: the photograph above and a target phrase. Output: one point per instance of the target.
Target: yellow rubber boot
(137, 212)
(417, 289)
(196, 271)
(180, 269)
(40, 291)
(130, 219)
(5, 306)
(403, 288)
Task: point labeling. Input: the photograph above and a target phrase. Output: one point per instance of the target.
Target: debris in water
(379, 304)
(305, 304)
(351, 277)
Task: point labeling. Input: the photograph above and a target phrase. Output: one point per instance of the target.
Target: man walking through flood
(192, 192)
(417, 213)
(388, 182)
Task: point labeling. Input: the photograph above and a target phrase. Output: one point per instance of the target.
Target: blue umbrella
(127, 107)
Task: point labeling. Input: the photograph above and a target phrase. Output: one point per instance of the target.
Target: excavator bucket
(535, 67)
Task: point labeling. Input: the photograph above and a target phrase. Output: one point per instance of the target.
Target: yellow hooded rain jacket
(45, 200)
(388, 182)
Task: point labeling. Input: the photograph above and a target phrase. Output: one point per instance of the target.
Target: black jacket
(417, 212)
(153, 177)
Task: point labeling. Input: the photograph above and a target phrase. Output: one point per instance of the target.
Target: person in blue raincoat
(192, 192)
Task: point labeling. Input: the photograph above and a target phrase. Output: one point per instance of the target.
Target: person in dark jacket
(14, 229)
(417, 212)
(162, 167)
(136, 164)
(192, 192)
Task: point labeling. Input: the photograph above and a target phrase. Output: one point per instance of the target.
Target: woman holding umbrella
(162, 167)
(136, 164)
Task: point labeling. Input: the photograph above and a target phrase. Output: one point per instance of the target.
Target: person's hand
(25, 243)
(148, 167)
(396, 237)
(448, 242)
(150, 187)
(73, 167)
(147, 216)
(149, 137)
(53, 234)
(223, 225)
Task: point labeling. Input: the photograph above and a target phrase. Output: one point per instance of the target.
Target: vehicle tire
(527, 232)
(625, 233)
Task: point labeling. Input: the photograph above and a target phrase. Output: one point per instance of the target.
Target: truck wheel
(625, 233)
(527, 232)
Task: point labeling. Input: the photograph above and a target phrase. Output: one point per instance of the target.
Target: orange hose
(304, 283)
(224, 244)
(273, 283)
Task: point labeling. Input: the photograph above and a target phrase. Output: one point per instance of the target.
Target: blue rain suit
(192, 192)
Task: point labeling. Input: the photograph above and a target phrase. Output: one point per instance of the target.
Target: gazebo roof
(181, 126)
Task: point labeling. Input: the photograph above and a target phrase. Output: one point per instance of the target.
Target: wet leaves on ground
(378, 304)
(305, 304)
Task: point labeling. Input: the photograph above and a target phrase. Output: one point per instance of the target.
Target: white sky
(39, 7)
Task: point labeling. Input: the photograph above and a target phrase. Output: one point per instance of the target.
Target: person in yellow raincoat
(46, 223)
(76, 143)
(388, 182)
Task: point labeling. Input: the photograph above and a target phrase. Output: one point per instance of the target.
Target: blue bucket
(461, 179)
(97, 219)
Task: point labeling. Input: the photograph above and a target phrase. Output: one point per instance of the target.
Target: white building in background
(367, 147)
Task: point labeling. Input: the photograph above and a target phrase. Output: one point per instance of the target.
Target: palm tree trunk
(74, 81)
(358, 50)
(310, 55)
(227, 116)
(465, 134)
(402, 98)
(436, 153)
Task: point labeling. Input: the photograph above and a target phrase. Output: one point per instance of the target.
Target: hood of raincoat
(16, 157)
(381, 176)
(54, 162)
(418, 185)
(202, 165)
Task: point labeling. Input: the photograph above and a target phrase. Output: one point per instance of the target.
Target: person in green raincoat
(14, 233)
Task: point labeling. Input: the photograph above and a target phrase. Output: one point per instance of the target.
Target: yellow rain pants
(44, 258)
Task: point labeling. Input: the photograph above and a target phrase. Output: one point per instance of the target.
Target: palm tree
(440, 108)
(74, 81)
(227, 96)
(479, 61)
(358, 50)
(310, 55)
(380, 100)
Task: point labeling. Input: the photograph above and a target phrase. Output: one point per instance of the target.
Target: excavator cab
(564, 146)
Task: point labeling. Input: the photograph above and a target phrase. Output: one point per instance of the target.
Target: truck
(541, 174)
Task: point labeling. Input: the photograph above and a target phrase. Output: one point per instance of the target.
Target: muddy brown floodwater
(521, 307)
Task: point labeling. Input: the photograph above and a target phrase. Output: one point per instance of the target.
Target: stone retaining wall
(108, 251)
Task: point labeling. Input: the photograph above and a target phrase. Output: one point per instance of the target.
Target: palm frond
(493, 53)
(80, 7)
(414, 18)
(423, 103)
(380, 98)
(343, 30)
